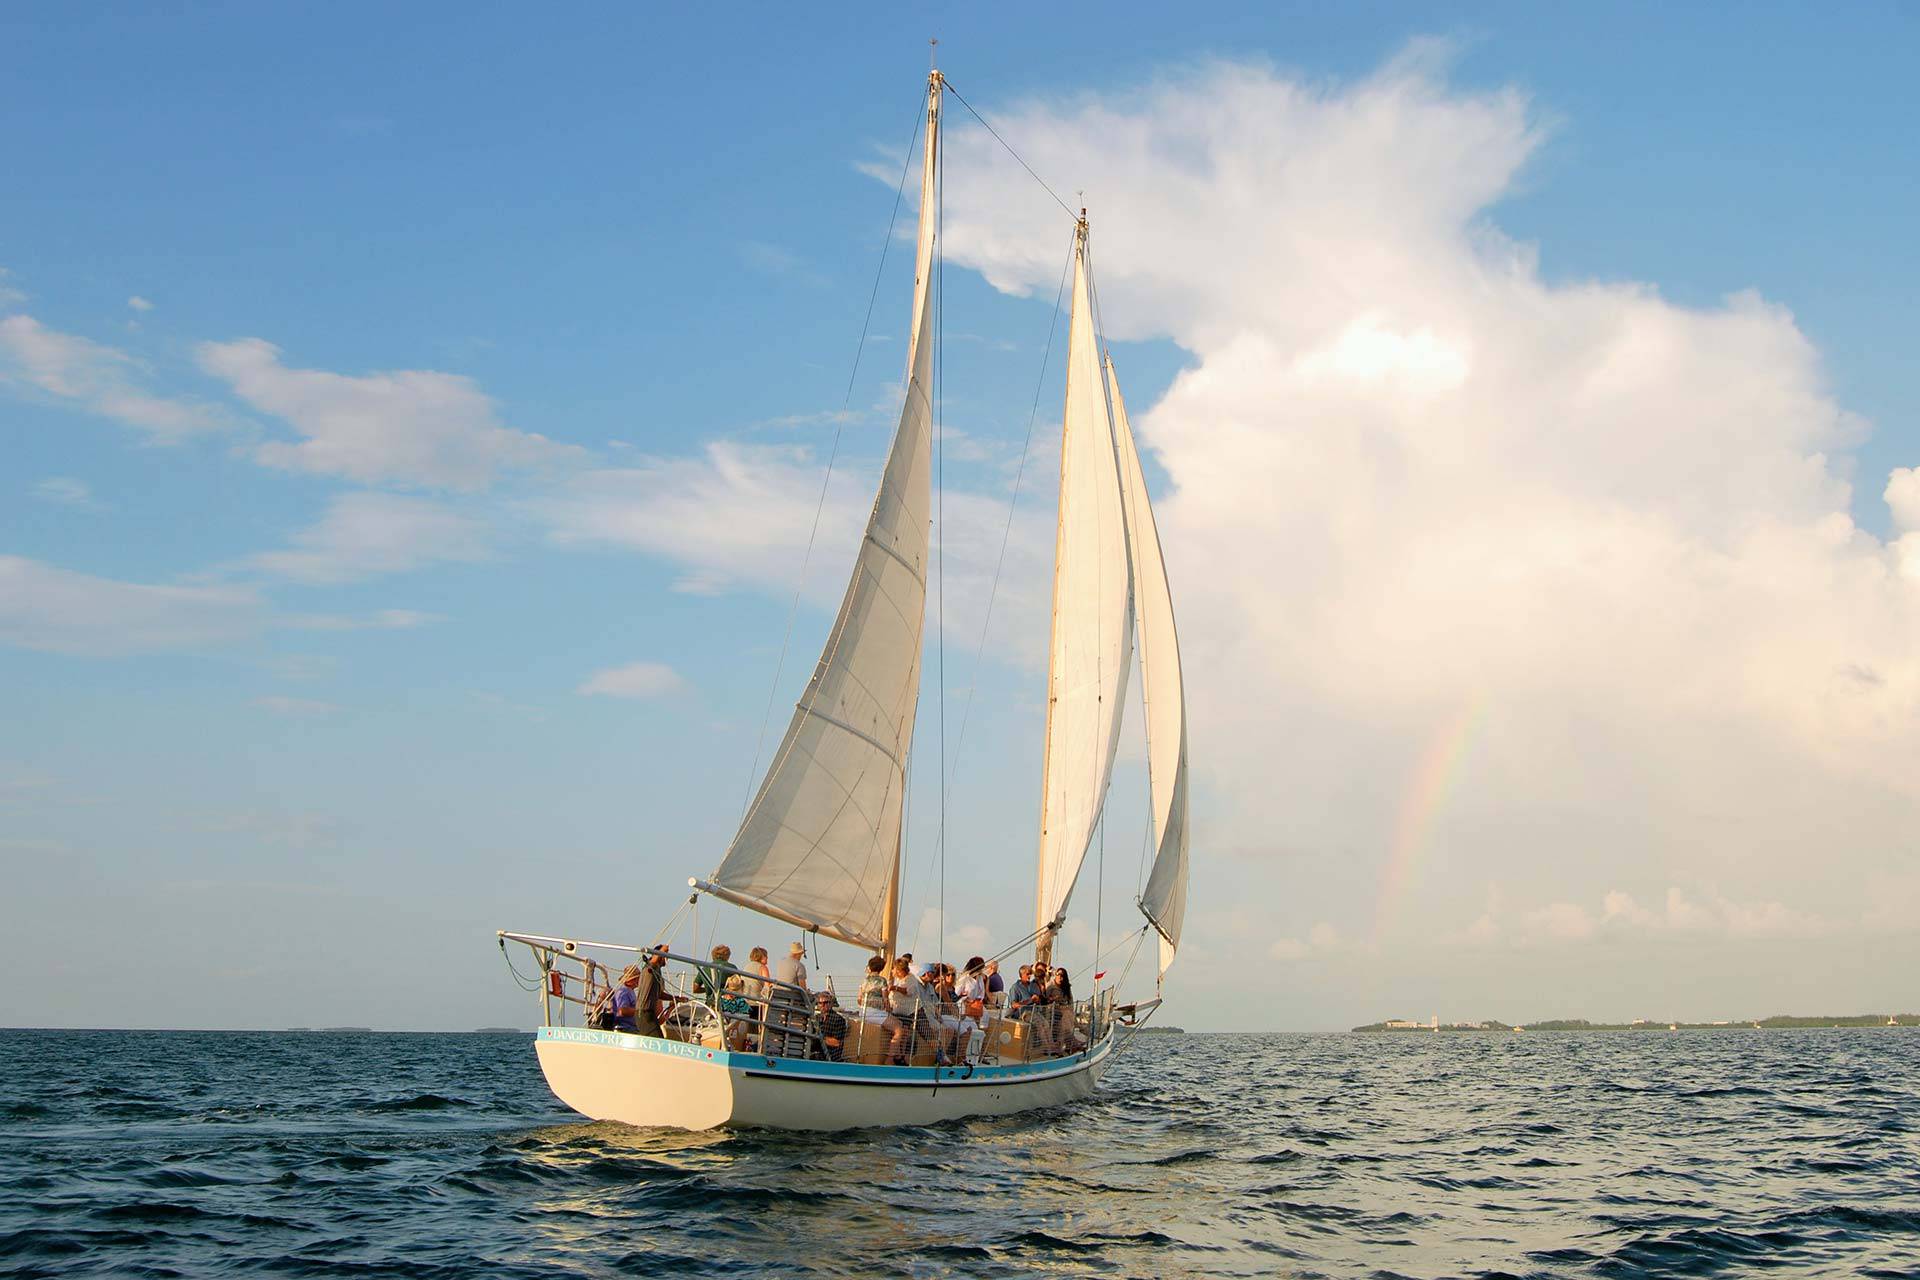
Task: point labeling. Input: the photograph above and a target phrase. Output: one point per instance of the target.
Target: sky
(412, 423)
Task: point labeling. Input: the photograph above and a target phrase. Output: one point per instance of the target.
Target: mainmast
(922, 282)
(820, 845)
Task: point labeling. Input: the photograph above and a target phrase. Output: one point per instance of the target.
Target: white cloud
(281, 705)
(963, 941)
(43, 362)
(10, 296)
(409, 427)
(1560, 921)
(365, 534)
(740, 516)
(773, 260)
(65, 491)
(57, 610)
(1903, 497)
(635, 680)
(737, 513)
(1417, 484)
(1323, 937)
(301, 666)
(1680, 915)
(378, 620)
(139, 303)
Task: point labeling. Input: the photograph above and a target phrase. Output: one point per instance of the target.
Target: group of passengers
(771, 1010)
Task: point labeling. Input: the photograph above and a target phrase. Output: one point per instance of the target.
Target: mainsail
(1092, 644)
(1164, 900)
(820, 844)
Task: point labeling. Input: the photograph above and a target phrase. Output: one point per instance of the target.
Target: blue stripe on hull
(820, 1072)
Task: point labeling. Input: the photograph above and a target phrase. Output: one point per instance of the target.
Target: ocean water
(1569, 1154)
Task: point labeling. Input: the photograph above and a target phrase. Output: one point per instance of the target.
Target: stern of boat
(637, 1080)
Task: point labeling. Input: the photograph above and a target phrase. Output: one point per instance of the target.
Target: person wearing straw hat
(787, 1011)
(793, 969)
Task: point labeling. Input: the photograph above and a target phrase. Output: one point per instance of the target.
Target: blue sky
(635, 233)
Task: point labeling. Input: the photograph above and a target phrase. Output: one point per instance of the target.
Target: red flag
(1099, 975)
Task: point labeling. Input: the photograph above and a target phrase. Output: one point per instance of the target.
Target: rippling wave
(1556, 1154)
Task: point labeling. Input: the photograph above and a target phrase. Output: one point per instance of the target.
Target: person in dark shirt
(996, 985)
(829, 1028)
(649, 994)
(1026, 1002)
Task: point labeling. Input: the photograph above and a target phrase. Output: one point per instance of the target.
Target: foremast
(1091, 635)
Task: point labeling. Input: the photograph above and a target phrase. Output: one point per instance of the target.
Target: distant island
(1777, 1022)
(1161, 1031)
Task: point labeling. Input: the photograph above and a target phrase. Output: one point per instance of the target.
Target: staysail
(1092, 644)
(1164, 900)
(820, 844)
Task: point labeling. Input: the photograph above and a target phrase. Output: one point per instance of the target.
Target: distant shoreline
(1779, 1022)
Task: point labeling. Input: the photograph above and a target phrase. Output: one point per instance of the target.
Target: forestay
(819, 846)
(1092, 642)
(1164, 900)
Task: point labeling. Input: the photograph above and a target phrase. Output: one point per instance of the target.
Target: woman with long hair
(1060, 1007)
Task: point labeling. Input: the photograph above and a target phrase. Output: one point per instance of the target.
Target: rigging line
(1010, 151)
(833, 454)
(1004, 952)
(1140, 871)
(1006, 532)
(1099, 892)
(940, 498)
(1132, 935)
(1139, 937)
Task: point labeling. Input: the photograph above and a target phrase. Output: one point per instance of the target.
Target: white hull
(639, 1080)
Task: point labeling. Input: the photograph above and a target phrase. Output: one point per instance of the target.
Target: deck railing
(778, 1018)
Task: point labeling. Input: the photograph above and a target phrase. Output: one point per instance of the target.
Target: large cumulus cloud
(1417, 486)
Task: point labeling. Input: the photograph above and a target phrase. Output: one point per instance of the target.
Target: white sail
(820, 844)
(1092, 643)
(1164, 900)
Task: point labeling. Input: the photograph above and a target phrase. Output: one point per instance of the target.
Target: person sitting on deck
(972, 985)
(625, 1003)
(757, 989)
(738, 1011)
(1059, 997)
(711, 979)
(970, 993)
(904, 992)
(1025, 1005)
(829, 1028)
(946, 1008)
(873, 1001)
(996, 985)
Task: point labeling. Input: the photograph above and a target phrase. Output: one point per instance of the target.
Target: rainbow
(1428, 787)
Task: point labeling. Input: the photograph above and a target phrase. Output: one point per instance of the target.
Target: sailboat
(820, 845)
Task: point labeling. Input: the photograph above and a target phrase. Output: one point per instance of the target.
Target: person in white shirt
(904, 991)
